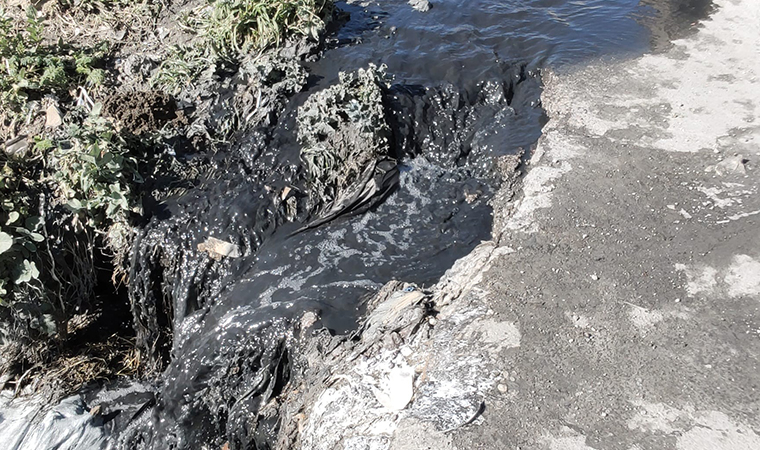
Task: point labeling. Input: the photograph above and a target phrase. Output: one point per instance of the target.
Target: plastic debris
(218, 249)
(734, 164)
(396, 390)
(17, 146)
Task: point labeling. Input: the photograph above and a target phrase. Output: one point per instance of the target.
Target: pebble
(53, 117)
(420, 5)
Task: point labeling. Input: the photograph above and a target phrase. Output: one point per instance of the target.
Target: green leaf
(74, 204)
(111, 210)
(85, 182)
(96, 77)
(6, 242)
(42, 144)
(12, 217)
(106, 159)
(33, 223)
(27, 272)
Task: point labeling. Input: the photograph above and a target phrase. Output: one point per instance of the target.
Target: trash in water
(218, 249)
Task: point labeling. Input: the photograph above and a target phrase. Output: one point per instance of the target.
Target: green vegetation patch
(95, 172)
(30, 69)
(20, 236)
(234, 27)
(228, 30)
(85, 166)
(88, 179)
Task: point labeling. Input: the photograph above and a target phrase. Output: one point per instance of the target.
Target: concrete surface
(635, 280)
(617, 307)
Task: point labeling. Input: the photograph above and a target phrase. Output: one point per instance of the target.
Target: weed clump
(74, 184)
(32, 68)
(343, 132)
(95, 173)
(67, 212)
(67, 195)
(182, 66)
(19, 232)
(227, 31)
(236, 27)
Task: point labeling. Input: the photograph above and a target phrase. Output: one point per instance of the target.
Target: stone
(420, 5)
(54, 118)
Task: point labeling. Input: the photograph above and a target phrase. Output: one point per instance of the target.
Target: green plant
(87, 179)
(19, 232)
(30, 68)
(182, 66)
(95, 173)
(67, 196)
(234, 27)
(229, 29)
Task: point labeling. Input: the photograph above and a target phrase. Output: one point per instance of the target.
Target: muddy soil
(143, 112)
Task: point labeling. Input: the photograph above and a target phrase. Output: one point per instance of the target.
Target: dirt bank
(109, 109)
(617, 307)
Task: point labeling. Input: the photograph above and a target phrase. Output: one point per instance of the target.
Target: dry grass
(35, 369)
